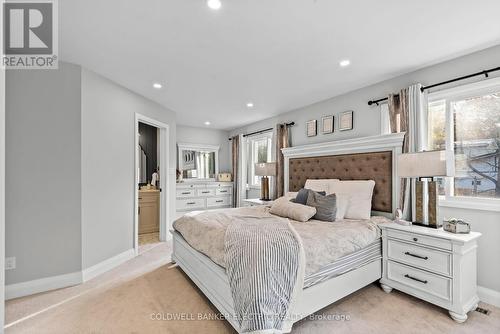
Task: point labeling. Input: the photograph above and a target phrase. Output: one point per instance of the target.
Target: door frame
(164, 176)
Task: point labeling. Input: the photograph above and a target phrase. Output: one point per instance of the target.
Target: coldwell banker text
(30, 34)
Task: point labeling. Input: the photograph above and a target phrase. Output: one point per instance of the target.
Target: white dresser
(203, 196)
(431, 264)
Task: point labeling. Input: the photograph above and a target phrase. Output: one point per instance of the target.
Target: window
(466, 120)
(259, 150)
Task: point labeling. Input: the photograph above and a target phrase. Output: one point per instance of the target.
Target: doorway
(151, 182)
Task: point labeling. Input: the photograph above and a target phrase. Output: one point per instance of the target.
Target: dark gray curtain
(282, 141)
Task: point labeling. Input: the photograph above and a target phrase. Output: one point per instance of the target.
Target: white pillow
(291, 194)
(359, 194)
(284, 208)
(320, 185)
(342, 205)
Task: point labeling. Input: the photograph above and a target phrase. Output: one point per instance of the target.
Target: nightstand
(256, 202)
(431, 264)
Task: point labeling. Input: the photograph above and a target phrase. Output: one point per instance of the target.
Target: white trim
(107, 265)
(488, 296)
(22, 289)
(164, 178)
(390, 142)
(470, 203)
(41, 285)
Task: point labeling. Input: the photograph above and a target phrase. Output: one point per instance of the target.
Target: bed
(371, 158)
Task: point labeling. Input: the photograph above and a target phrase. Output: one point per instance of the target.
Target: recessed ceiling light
(214, 4)
(250, 105)
(157, 85)
(345, 62)
(207, 123)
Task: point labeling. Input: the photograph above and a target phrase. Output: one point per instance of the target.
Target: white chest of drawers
(433, 265)
(203, 196)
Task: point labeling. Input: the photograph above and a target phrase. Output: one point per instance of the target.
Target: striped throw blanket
(265, 265)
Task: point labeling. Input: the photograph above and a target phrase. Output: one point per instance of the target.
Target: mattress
(352, 261)
(324, 243)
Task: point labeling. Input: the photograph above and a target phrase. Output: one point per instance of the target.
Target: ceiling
(278, 54)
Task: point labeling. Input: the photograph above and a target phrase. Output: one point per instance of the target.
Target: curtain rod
(422, 89)
(264, 130)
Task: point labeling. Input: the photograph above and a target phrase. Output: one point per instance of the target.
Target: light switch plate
(10, 263)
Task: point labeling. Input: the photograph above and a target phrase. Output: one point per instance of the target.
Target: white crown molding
(106, 265)
(41, 285)
(356, 145)
(206, 147)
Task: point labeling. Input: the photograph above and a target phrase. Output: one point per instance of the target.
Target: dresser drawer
(427, 283)
(218, 201)
(420, 239)
(223, 191)
(190, 204)
(415, 255)
(180, 193)
(205, 192)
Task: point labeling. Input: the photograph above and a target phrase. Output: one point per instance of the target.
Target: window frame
(251, 140)
(483, 87)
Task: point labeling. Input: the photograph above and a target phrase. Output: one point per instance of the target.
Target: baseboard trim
(488, 296)
(41, 285)
(63, 281)
(106, 265)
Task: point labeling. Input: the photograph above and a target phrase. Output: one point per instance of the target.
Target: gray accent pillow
(302, 195)
(326, 206)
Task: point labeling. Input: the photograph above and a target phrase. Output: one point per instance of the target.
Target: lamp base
(264, 189)
(426, 203)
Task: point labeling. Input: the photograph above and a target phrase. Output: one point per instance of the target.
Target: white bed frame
(212, 280)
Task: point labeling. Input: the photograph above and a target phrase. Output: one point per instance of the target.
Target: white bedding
(323, 242)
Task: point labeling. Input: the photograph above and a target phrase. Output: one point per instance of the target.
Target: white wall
(108, 153)
(70, 172)
(367, 123)
(192, 135)
(43, 218)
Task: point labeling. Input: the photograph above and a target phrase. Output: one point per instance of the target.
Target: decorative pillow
(326, 206)
(359, 194)
(320, 185)
(291, 194)
(342, 205)
(302, 195)
(284, 208)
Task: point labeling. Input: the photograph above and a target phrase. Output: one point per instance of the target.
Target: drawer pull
(415, 239)
(417, 256)
(186, 193)
(223, 191)
(416, 279)
(191, 203)
(219, 201)
(205, 192)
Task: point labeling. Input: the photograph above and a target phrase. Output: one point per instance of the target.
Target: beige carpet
(127, 308)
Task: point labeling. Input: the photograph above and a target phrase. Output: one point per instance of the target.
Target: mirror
(198, 162)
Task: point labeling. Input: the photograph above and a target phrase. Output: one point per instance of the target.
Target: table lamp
(265, 170)
(424, 166)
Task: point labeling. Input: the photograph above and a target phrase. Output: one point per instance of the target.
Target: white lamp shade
(265, 169)
(423, 164)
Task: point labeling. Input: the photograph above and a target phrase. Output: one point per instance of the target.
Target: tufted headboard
(375, 166)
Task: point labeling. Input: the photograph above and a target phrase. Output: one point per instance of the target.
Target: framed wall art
(346, 120)
(312, 128)
(327, 124)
